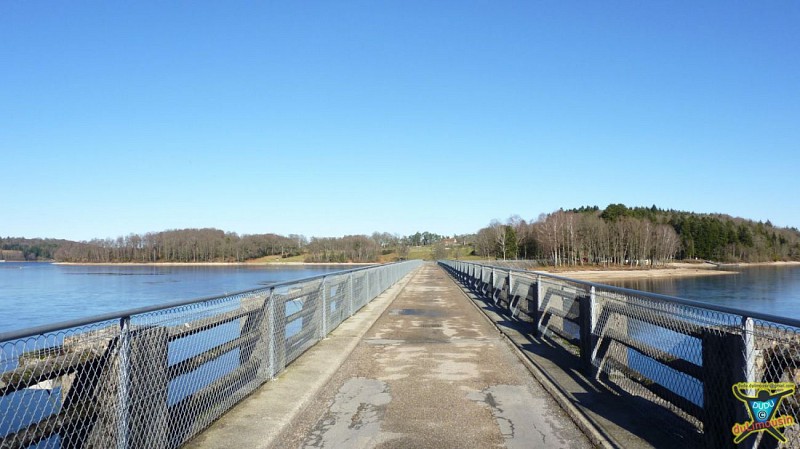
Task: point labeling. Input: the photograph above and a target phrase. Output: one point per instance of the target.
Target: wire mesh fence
(730, 373)
(155, 377)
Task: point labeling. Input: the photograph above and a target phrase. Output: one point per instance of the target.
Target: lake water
(773, 290)
(33, 294)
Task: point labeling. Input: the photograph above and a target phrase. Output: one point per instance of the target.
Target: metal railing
(681, 354)
(154, 377)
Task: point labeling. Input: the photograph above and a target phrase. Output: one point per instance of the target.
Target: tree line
(351, 248)
(22, 249)
(635, 236)
(587, 235)
(360, 248)
(180, 245)
(214, 245)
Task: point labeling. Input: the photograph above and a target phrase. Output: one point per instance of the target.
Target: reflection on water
(665, 286)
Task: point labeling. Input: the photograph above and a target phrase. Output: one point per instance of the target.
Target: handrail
(77, 322)
(793, 322)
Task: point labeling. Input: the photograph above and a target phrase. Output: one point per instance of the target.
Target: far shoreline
(591, 273)
(215, 264)
(672, 270)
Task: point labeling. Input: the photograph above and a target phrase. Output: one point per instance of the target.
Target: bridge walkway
(432, 371)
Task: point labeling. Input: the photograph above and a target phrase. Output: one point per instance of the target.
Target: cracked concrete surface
(354, 419)
(524, 420)
(432, 372)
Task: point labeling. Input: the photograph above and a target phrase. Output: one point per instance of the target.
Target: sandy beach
(676, 269)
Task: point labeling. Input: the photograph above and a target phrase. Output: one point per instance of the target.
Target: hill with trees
(181, 245)
(22, 249)
(638, 235)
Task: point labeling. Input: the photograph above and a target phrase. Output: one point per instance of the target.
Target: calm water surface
(33, 294)
(774, 290)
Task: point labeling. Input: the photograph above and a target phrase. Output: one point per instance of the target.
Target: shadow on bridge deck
(431, 371)
(611, 416)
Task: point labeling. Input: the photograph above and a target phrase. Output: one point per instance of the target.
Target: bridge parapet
(681, 354)
(155, 377)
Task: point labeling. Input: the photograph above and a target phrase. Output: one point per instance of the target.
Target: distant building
(450, 242)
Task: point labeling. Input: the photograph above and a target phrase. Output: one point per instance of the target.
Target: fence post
(277, 324)
(588, 339)
(510, 293)
(537, 305)
(261, 346)
(323, 327)
(724, 364)
(122, 382)
(149, 382)
(350, 289)
(253, 324)
(750, 350)
(368, 280)
(491, 284)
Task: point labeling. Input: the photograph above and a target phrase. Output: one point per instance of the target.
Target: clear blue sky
(333, 118)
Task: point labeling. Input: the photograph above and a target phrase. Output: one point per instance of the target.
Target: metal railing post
(750, 350)
(368, 286)
(324, 324)
(510, 294)
(277, 340)
(122, 382)
(491, 284)
(537, 304)
(585, 320)
(352, 296)
(724, 364)
(263, 330)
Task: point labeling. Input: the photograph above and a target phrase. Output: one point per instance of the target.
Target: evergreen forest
(636, 235)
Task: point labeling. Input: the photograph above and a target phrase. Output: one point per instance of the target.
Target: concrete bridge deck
(431, 371)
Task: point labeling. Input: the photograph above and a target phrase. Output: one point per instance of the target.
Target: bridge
(455, 354)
